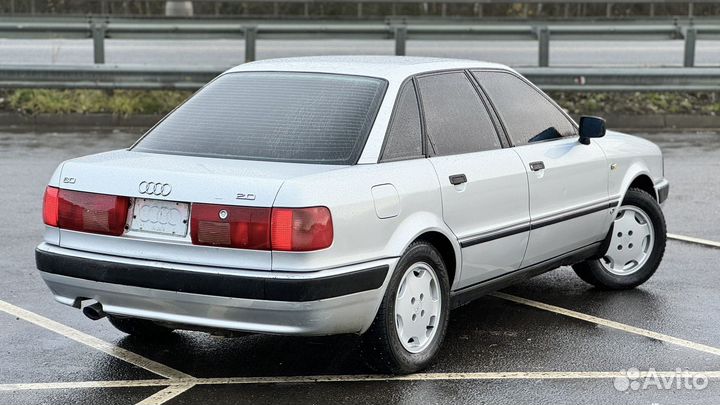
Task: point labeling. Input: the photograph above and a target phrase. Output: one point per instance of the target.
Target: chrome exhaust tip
(94, 311)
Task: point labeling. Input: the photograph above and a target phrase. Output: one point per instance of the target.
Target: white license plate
(161, 217)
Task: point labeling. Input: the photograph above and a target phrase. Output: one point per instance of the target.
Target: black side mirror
(591, 127)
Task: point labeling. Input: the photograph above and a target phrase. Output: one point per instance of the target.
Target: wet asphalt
(488, 335)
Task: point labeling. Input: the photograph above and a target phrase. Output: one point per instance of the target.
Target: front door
(568, 181)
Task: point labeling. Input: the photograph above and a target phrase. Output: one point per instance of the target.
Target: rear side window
(528, 116)
(456, 119)
(404, 137)
(274, 116)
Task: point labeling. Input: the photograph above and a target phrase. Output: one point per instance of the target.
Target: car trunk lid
(160, 181)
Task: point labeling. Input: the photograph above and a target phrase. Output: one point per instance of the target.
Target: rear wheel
(411, 322)
(635, 248)
(141, 328)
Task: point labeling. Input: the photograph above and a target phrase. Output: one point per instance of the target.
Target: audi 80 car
(365, 195)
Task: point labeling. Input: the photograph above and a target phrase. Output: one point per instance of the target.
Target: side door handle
(456, 179)
(535, 166)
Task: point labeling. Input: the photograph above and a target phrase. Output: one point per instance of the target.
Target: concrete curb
(658, 122)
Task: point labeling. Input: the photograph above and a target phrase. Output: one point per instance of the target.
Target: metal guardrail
(106, 6)
(100, 29)
(191, 78)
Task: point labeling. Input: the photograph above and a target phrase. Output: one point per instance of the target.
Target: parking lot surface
(552, 339)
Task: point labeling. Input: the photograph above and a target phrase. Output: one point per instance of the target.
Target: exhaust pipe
(94, 311)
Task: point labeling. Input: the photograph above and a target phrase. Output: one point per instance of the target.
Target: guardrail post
(543, 34)
(608, 10)
(400, 40)
(98, 36)
(690, 39)
(250, 40)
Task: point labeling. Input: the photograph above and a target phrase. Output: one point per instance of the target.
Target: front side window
(273, 116)
(456, 119)
(404, 137)
(528, 116)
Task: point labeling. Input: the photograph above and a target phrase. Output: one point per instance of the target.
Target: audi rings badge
(154, 188)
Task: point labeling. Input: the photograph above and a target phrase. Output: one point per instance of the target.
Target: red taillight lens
(228, 226)
(301, 229)
(89, 212)
(50, 206)
(288, 229)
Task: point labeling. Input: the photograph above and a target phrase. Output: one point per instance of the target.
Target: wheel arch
(637, 176)
(446, 249)
(645, 183)
(430, 227)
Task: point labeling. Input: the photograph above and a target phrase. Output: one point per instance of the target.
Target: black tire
(381, 346)
(593, 272)
(141, 328)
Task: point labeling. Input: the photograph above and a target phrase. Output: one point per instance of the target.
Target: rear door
(568, 181)
(484, 187)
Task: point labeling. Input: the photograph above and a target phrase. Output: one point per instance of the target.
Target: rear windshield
(274, 116)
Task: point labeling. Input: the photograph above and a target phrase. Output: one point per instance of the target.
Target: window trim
(499, 129)
(471, 80)
(351, 162)
(532, 86)
(393, 116)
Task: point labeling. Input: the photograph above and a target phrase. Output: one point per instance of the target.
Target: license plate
(160, 217)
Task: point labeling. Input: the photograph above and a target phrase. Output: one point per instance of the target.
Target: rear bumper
(340, 300)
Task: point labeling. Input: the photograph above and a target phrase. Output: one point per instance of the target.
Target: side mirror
(591, 127)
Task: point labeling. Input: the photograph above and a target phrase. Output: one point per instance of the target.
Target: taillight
(50, 206)
(86, 212)
(301, 229)
(228, 226)
(287, 229)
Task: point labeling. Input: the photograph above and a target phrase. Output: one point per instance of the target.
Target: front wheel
(635, 246)
(411, 322)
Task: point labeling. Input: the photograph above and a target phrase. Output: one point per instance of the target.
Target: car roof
(392, 68)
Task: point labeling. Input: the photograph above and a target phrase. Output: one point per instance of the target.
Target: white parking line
(177, 386)
(610, 324)
(166, 394)
(692, 239)
(86, 384)
(92, 341)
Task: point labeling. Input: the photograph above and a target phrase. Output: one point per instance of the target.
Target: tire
(381, 345)
(141, 328)
(602, 272)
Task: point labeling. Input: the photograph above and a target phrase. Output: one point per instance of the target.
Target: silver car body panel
(378, 210)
